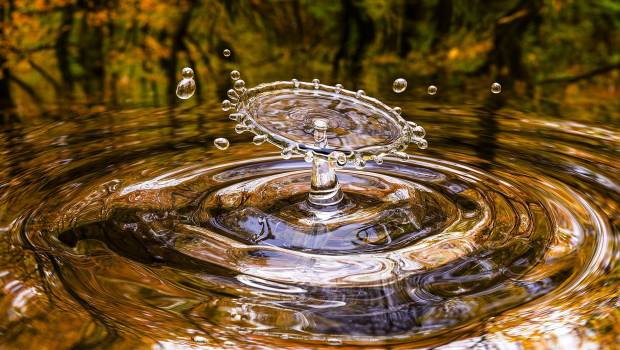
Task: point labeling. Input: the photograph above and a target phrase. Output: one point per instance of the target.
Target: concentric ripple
(179, 244)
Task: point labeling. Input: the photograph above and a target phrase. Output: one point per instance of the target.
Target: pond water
(129, 228)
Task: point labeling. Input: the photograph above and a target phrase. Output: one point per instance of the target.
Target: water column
(324, 187)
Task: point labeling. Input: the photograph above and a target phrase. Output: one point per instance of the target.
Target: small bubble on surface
(239, 85)
(496, 88)
(221, 143)
(399, 85)
(226, 53)
(316, 83)
(226, 105)
(432, 89)
(338, 88)
(235, 75)
(397, 110)
(360, 93)
(259, 139)
(187, 86)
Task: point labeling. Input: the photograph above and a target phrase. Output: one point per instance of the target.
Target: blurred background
(64, 57)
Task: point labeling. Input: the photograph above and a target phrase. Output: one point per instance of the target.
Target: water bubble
(239, 85)
(233, 95)
(339, 158)
(422, 144)
(496, 88)
(296, 83)
(259, 139)
(397, 110)
(187, 86)
(287, 153)
(221, 143)
(199, 339)
(226, 105)
(432, 90)
(309, 157)
(360, 93)
(338, 88)
(226, 53)
(235, 75)
(399, 85)
(316, 83)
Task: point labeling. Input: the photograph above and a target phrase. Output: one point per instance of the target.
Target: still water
(130, 229)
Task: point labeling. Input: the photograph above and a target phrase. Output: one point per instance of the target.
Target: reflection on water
(133, 229)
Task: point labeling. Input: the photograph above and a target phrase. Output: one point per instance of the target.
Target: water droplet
(233, 95)
(226, 53)
(418, 132)
(379, 159)
(399, 85)
(239, 85)
(226, 105)
(287, 153)
(221, 143)
(496, 88)
(339, 158)
(412, 124)
(432, 90)
(309, 156)
(360, 93)
(259, 139)
(316, 83)
(236, 116)
(241, 128)
(422, 144)
(338, 88)
(235, 75)
(187, 85)
(359, 162)
(401, 155)
(187, 73)
(199, 339)
(397, 110)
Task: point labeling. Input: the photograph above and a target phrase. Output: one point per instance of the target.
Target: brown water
(129, 229)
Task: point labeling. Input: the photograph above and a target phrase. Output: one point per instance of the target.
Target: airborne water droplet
(226, 105)
(239, 85)
(235, 75)
(399, 85)
(496, 88)
(226, 53)
(432, 89)
(360, 93)
(221, 143)
(187, 85)
(259, 139)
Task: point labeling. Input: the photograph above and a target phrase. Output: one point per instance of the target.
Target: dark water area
(122, 226)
